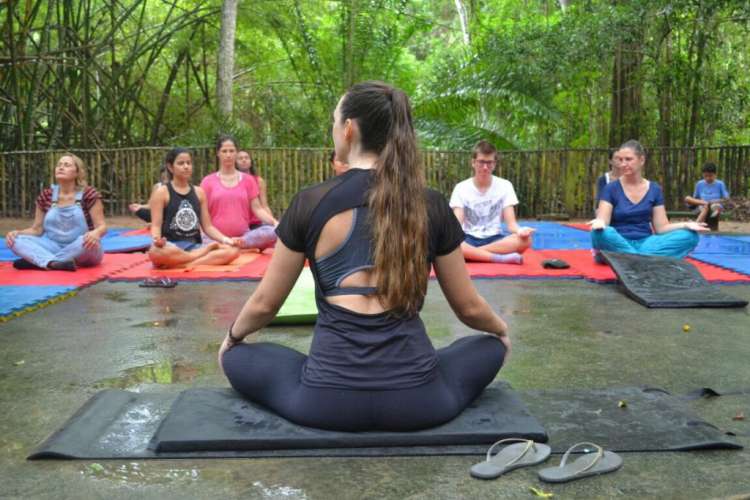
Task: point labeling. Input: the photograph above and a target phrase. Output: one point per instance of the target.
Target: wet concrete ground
(566, 334)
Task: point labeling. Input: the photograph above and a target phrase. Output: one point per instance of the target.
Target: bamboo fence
(549, 182)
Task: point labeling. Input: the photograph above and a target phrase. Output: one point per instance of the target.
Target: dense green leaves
(95, 73)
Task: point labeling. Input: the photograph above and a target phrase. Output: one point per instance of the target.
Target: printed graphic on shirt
(482, 214)
(185, 220)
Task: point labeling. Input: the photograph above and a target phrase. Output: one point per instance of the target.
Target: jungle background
(529, 75)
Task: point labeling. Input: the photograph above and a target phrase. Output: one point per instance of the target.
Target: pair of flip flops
(158, 283)
(525, 452)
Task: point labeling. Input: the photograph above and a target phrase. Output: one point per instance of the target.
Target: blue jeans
(480, 242)
(261, 237)
(676, 243)
(62, 239)
(40, 250)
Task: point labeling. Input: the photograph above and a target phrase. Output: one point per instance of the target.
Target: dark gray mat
(624, 419)
(120, 424)
(218, 422)
(666, 282)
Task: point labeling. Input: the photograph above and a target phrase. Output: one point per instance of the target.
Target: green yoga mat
(299, 307)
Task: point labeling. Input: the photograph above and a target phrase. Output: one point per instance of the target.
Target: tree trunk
(15, 83)
(159, 118)
(625, 119)
(664, 88)
(226, 57)
(350, 20)
(695, 97)
(464, 19)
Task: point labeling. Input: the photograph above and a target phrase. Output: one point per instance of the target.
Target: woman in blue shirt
(631, 217)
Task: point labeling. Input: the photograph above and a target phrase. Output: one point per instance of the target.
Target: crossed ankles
(53, 265)
(61, 265)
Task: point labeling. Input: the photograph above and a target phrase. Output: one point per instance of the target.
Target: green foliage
(104, 73)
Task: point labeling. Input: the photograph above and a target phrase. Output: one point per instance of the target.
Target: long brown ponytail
(398, 209)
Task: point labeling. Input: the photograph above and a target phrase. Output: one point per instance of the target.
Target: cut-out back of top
(348, 258)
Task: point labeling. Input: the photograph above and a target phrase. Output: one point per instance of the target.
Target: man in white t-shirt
(481, 204)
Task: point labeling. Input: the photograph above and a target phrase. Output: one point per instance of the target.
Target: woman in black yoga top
(179, 212)
(370, 236)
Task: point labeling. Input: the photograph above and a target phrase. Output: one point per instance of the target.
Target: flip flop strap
(597, 457)
(529, 445)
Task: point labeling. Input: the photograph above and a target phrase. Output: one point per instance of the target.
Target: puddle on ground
(279, 491)
(117, 296)
(164, 372)
(135, 473)
(159, 323)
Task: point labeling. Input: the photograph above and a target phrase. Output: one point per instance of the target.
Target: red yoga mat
(249, 266)
(579, 225)
(84, 276)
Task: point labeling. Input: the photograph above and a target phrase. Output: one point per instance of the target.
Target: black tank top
(351, 350)
(182, 216)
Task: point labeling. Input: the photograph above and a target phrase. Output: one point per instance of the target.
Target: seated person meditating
(68, 223)
(338, 166)
(708, 196)
(142, 211)
(246, 165)
(631, 206)
(370, 235)
(607, 177)
(178, 211)
(481, 204)
(234, 201)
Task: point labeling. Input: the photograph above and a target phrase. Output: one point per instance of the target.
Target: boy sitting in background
(708, 197)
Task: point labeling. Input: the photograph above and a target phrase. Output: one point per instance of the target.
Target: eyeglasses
(486, 163)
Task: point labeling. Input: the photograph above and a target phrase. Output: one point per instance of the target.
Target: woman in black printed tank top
(178, 212)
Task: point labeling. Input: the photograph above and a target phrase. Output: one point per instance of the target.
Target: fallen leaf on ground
(97, 468)
(541, 493)
(622, 404)
(19, 363)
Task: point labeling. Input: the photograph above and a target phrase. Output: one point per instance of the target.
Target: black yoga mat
(666, 282)
(220, 423)
(120, 424)
(623, 419)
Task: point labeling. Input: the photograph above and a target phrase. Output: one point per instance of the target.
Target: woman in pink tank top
(234, 199)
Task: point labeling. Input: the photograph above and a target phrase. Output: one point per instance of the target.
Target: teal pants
(676, 243)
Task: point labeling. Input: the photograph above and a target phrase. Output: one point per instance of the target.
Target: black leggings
(269, 374)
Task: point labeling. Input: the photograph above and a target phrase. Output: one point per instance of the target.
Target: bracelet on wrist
(232, 338)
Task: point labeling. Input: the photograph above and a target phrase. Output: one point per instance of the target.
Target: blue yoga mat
(125, 244)
(554, 236)
(724, 245)
(5, 253)
(16, 298)
(113, 242)
(737, 263)
(738, 237)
